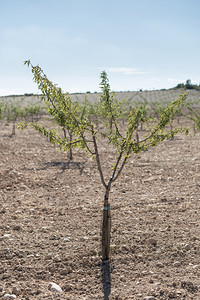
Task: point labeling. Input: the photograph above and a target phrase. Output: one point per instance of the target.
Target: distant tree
(194, 116)
(188, 84)
(180, 86)
(1, 109)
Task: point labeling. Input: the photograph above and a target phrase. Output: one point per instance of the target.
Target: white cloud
(125, 71)
(174, 80)
(155, 79)
(7, 92)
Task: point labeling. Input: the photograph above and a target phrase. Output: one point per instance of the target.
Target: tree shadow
(106, 279)
(62, 166)
(66, 165)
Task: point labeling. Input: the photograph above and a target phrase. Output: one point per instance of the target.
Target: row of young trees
(11, 111)
(84, 126)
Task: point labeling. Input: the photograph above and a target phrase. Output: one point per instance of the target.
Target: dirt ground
(50, 220)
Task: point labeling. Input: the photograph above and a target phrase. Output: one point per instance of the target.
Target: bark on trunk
(70, 139)
(70, 150)
(106, 227)
(13, 128)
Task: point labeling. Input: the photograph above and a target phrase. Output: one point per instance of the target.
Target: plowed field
(50, 221)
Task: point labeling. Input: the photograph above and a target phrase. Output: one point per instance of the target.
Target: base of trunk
(106, 228)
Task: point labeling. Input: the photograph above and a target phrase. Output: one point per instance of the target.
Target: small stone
(124, 248)
(16, 291)
(37, 292)
(23, 187)
(149, 298)
(196, 267)
(54, 287)
(66, 240)
(9, 296)
(5, 276)
(151, 281)
(52, 269)
(7, 235)
(67, 287)
(152, 242)
(159, 265)
(187, 247)
(3, 211)
(178, 293)
(164, 199)
(16, 227)
(57, 259)
(65, 271)
(122, 278)
(48, 257)
(176, 264)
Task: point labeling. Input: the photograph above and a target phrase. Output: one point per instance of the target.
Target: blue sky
(144, 44)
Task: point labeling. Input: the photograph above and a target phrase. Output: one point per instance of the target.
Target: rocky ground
(50, 219)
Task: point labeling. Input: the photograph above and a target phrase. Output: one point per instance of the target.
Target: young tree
(2, 108)
(87, 136)
(13, 112)
(193, 115)
(34, 111)
(188, 82)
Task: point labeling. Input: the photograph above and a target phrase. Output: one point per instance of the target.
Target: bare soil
(50, 222)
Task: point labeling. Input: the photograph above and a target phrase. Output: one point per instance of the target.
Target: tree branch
(123, 164)
(98, 158)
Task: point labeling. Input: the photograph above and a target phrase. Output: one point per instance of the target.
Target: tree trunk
(106, 227)
(70, 150)
(13, 128)
(137, 137)
(70, 139)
